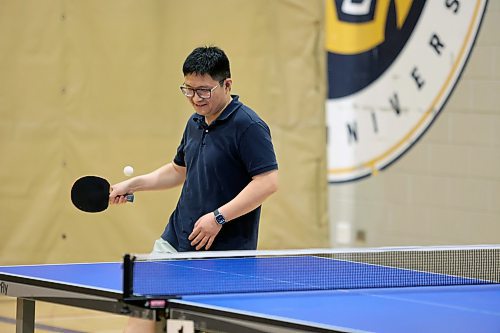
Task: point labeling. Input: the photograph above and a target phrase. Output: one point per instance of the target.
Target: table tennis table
(280, 293)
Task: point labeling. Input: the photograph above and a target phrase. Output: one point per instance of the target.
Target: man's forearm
(252, 196)
(167, 176)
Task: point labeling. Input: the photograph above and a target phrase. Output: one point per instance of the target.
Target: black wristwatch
(219, 218)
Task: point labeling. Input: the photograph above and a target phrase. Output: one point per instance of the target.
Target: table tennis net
(309, 270)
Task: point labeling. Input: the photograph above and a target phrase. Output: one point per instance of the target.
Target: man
(225, 162)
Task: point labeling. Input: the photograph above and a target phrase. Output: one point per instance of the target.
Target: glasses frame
(196, 91)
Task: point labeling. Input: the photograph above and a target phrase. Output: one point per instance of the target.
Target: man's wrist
(219, 218)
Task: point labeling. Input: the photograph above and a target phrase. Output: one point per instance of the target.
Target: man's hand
(204, 232)
(118, 194)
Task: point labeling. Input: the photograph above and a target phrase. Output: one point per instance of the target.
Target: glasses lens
(203, 93)
(188, 92)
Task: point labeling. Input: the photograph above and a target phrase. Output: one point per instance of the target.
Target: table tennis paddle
(91, 194)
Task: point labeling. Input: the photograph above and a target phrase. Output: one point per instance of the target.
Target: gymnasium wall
(446, 189)
(87, 87)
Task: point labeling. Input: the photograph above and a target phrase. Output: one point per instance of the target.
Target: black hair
(209, 60)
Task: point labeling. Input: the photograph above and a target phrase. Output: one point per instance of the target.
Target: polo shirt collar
(235, 103)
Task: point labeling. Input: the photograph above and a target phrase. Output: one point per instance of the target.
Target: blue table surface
(420, 309)
(102, 276)
(473, 308)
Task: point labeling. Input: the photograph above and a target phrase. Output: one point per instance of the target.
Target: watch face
(220, 219)
(392, 66)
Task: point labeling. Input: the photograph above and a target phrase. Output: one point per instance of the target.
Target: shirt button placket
(205, 132)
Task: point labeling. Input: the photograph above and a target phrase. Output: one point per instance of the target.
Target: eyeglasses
(204, 93)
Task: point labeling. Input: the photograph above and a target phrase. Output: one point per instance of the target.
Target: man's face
(219, 95)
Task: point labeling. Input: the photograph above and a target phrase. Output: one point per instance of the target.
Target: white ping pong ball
(128, 170)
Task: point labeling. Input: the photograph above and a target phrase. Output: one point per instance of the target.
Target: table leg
(25, 316)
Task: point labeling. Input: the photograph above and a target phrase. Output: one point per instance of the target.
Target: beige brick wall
(446, 189)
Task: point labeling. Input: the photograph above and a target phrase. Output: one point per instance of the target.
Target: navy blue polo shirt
(220, 161)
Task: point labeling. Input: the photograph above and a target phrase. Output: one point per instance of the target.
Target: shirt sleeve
(257, 151)
(179, 156)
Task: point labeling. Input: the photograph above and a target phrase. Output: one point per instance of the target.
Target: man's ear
(228, 83)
